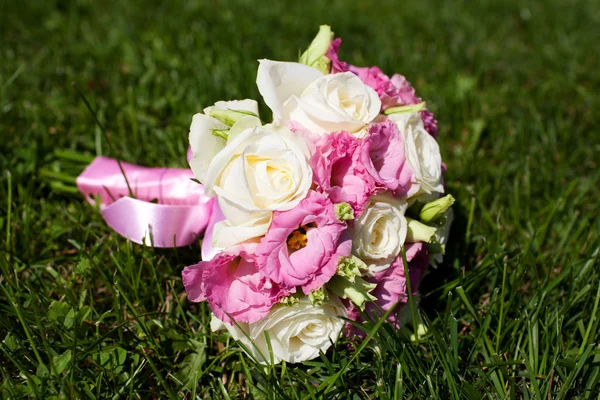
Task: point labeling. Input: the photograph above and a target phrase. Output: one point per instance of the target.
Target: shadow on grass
(458, 254)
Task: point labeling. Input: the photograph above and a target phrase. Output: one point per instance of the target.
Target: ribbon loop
(169, 209)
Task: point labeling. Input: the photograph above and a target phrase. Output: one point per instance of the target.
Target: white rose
(297, 332)
(204, 144)
(320, 103)
(380, 231)
(262, 169)
(422, 153)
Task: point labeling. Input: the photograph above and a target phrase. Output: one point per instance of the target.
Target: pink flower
(396, 91)
(375, 78)
(339, 172)
(391, 282)
(406, 95)
(382, 154)
(332, 53)
(232, 285)
(303, 245)
(391, 287)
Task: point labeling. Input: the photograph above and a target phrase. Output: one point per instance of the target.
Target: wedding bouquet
(319, 213)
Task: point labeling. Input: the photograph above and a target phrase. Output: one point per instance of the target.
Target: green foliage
(512, 313)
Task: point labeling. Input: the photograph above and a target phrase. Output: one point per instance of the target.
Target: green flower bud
(343, 211)
(314, 56)
(436, 248)
(357, 289)
(433, 210)
(318, 296)
(413, 108)
(228, 117)
(222, 133)
(421, 332)
(289, 300)
(350, 267)
(419, 232)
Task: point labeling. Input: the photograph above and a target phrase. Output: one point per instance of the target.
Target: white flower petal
(226, 235)
(278, 81)
(332, 103)
(422, 154)
(204, 144)
(288, 325)
(248, 105)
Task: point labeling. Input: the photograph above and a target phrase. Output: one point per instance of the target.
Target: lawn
(512, 313)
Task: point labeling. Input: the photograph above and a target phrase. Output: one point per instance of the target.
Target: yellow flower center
(297, 239)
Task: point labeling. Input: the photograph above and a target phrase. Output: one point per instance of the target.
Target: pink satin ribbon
(169, 209)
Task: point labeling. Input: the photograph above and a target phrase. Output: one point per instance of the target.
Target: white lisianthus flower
(380, 232)
(204, 143)
(423, 156)
(297, 332)
(441, 237)
(261, 170)
(320, 103)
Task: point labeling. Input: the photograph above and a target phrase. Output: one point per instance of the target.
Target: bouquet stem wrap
(168, 208)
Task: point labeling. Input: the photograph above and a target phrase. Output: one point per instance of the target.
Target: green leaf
(191, 366)
(83, 267)
(61, 313)
(61, 362)
(11, 342)
(111, 358)
(120, 355)
(42, 371)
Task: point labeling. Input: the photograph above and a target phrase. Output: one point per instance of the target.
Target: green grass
(514, 311)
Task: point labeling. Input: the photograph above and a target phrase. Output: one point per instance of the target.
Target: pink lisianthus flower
(391, 286)
(339, 172)
(303, 245)
(233, 286)
(391, 282)
(393, 92)
(337, 66)
(406, 95)
(383, 85)
(382, 154)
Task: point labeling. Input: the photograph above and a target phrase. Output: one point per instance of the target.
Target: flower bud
(227, 116)
(318, 296)
(357, 289)
(433, 210)
(314, 56)
(412, 108)
(289, 300)
(350, 267)
(222, 133)
(343, 211)
(419, 232)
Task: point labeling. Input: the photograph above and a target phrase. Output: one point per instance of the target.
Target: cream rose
(204, 144)
(423, 155)
(320, 103)
(263, 169)
(297, 332)
(380, 231)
